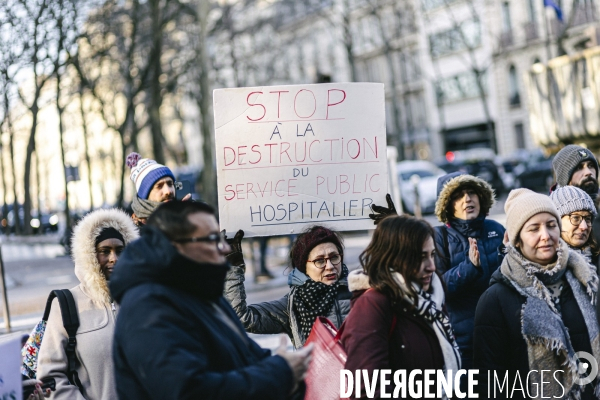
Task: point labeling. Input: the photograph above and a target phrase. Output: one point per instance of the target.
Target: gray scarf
(585, 252)
(143, 208)
(548, 342)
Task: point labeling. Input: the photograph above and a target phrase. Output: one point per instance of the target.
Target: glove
(382, 212)
(236, 257)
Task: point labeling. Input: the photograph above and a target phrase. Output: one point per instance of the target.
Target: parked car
(476, 162)
(536, 174)
(40, 223)
(425, 174)
(508, 164)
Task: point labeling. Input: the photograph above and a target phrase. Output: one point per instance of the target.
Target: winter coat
(178, 338)
(499, 345)
(278, 316)
(465, 282)
(374, 341)
(96, 313)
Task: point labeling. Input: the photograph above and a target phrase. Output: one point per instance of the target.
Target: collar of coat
(87, 268)
(358, 280)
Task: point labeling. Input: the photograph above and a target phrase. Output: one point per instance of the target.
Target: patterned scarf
(548, 342)
(314, 299)
(430, 307)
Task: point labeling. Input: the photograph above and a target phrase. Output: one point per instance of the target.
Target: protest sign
(10, 368)
(292, 156)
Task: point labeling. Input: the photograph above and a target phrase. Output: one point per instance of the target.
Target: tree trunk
(348, 43)
(2, 176)
(87, 150)
(60, 111)
(14, 179)
(27, 175)
(208, 177)
(155, 95)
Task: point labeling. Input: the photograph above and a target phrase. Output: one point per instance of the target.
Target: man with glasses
(577, 211)
(176, 336)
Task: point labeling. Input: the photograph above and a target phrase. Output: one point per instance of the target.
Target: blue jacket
(465, 283)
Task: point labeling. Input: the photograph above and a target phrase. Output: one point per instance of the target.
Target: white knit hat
(523, 204)
(145, 173)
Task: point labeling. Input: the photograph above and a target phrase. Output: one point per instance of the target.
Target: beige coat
(96, 317)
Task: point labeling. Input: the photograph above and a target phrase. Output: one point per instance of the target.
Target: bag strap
(68, 309)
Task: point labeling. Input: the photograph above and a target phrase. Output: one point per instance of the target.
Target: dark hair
(308, 240)
(172, 217)
(484, 207)
(396, 246)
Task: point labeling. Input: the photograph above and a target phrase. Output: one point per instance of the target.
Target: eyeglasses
(576, 219)
(218, 238)
(321, 262)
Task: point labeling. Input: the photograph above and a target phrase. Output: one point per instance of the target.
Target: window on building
(506, 22)
(458, 87)
(452, 40)
(531, 10)
(514, 98)
(519, 136)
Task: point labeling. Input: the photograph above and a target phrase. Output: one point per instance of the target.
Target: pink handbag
(328, 358)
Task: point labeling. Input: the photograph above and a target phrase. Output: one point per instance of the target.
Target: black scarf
(314, 299)
(468, 228)
(203, 280)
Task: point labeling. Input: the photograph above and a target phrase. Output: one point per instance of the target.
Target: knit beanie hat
(568, 199)
(566, 161)
(523, 204)
(145, 172)
(308, 240)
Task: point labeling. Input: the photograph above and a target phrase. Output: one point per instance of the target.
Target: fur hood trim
(358, 280)
(87, 268)
(487, 197)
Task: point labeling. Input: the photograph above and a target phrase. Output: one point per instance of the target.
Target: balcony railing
(531, 31)
(506, 39)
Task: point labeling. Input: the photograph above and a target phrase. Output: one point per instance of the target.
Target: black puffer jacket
(177, 338)
(499, 345)
(278, 316)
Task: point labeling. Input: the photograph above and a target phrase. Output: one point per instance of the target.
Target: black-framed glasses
(321, 262)
(218, 238)
(576, 219)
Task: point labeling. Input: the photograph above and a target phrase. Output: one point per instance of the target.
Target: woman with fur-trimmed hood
(97, 242)
(468, 244)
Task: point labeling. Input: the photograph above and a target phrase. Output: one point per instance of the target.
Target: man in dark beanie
(576, 166)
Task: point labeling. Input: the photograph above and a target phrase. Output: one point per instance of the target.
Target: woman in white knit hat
(539, 310)
(577, 212)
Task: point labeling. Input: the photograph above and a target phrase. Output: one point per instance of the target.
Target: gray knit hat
(523, 204)
(566, 161)
(568, 199)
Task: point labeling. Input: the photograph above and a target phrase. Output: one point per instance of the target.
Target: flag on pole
(551, 3)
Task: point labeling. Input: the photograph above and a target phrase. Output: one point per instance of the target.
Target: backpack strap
(71, 324)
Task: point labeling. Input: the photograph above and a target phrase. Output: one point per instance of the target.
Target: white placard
(10, 368)
(293, 156)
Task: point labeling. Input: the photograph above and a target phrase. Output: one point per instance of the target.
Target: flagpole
(545, 15)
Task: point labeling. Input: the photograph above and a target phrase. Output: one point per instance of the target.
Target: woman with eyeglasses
(577, 212)
(318, 287)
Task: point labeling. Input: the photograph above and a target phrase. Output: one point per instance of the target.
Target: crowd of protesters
(163, 314)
